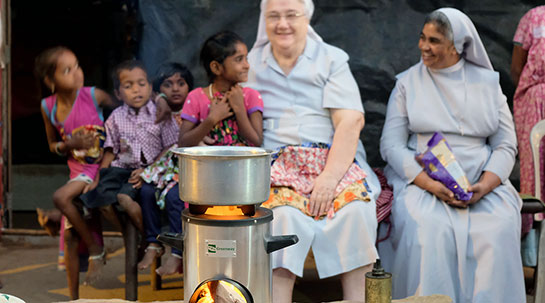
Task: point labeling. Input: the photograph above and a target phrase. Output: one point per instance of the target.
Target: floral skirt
(294, 170)
(163, 173)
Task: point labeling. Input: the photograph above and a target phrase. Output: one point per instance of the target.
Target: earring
(52, 88)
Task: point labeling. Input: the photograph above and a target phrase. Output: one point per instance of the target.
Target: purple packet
(441, 165)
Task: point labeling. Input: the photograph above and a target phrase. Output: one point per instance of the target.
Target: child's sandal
(102, 257)
(158, 251)
(94, 271)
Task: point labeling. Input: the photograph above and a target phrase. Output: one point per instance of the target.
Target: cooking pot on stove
(224, 175)
(226, 239)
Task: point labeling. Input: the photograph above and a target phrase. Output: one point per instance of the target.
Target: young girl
(74, 128)
(160, 191)
(223, 111)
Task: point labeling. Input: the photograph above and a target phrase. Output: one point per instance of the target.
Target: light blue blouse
(296, 106)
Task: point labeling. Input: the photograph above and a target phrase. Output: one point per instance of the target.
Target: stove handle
(274, 243)
(172, 239)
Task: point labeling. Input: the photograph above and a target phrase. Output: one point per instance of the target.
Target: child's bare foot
(153, 251)
(172, 265)
(94, 271)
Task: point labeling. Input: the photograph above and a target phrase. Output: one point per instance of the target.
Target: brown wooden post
(155, 278)
(131, 259)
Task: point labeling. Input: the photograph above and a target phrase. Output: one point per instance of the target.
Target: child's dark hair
(45, 63)
(217, 48)
(167, 70)
(126, 65)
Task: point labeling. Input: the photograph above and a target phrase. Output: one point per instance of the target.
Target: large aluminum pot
(224, 175)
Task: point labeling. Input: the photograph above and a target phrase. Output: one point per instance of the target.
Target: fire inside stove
(223, 212)
(220, 291)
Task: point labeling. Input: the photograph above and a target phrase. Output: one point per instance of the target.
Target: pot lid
(222, 152)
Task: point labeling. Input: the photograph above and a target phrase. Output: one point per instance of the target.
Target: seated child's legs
(71, 241)
(152, 225)
(174, 208)
(133, 210)
(172, 265)
(150, 212)
(63, 200)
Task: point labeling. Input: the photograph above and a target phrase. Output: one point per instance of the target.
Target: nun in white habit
(438, 245)
(310, 96)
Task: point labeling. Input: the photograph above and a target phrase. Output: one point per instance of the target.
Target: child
(173, 81)
(133, 141)
(223, 111)
(73, 114)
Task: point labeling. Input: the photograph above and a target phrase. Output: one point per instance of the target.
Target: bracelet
(162, 95)
(57, 149)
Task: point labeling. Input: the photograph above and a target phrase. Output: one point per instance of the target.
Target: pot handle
(172, 239)
(274, 243)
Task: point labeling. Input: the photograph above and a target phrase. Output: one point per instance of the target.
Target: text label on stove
(221, 248)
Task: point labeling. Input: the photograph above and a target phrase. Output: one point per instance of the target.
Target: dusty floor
(28, 270)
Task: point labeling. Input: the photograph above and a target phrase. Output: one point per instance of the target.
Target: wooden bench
(131, 239)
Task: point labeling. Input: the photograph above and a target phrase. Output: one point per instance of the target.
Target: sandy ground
(28, 270)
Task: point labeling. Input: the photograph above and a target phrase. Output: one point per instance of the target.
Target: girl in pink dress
(528, 73)
(74, 126)
(223, 111)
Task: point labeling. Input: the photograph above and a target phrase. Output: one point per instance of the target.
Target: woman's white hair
(262, 38)
(309, 7)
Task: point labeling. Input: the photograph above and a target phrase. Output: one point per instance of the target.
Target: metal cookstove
(226, 238)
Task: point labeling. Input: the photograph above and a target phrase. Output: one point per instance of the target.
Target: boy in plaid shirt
(133, 141)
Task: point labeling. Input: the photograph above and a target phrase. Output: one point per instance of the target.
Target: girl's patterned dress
(197, 108)
(163, 173)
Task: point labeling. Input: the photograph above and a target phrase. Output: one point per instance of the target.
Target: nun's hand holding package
(441, 165)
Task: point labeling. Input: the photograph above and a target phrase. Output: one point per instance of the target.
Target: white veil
(466, 39)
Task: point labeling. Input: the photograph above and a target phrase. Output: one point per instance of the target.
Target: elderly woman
(313, 113)
(469, 250)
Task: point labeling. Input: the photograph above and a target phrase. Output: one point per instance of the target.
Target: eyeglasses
(290, 17)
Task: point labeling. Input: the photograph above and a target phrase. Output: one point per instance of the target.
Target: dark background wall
(100, 32)
(381, 37)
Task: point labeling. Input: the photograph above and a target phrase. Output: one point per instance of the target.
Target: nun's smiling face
(286, 23)
(437, 51)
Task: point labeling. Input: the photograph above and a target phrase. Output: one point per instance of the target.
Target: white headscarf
(466, 39)
(262, 38)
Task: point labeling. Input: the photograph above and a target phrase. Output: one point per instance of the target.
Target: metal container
(224, 175)
(378, 285)
(228, 248)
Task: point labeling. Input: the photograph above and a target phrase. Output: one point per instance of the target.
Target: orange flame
(224, 211)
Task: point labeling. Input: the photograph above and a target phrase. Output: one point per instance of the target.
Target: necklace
(210, 90)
